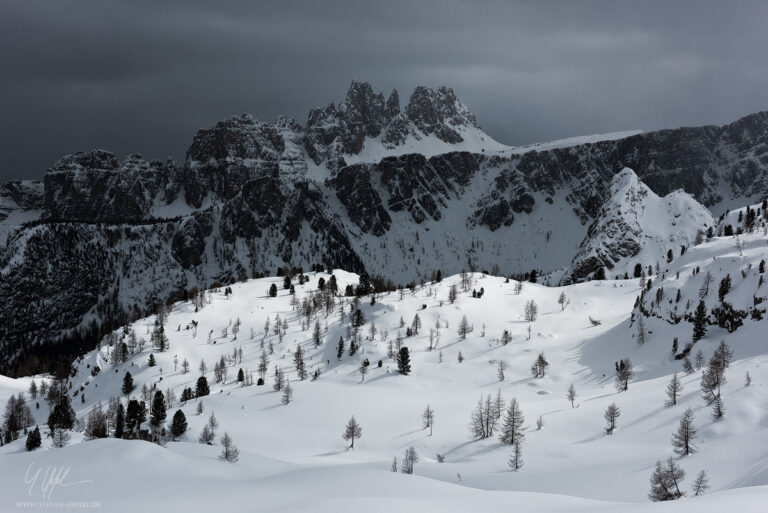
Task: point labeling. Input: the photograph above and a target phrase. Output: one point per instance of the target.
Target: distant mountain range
(366, 185)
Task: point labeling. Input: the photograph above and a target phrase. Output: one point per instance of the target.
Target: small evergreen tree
(179, 424)
(674, 387)
(127, 383)
(201, 388)
(33, 439)
(539, 367)
(571, 394)
(512, 427)
(624, 374)
(682, 440)
(229, 451)
(700, 321)
(404, 361)
(665, 481)
(287, 396)
(409, 460)
(340, 348)
(429, 419)
(352, 431)
(151, 361)
(612, 413)
(157, 413)
(701, 484)
(119, 421)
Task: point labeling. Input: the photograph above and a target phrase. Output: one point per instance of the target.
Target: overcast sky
(142, 77)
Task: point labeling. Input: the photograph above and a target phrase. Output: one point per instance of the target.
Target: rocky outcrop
(637, 226)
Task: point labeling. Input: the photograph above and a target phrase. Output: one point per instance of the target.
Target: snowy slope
(570, 465)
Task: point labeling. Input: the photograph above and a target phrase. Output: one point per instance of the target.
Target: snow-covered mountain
(635, 226)
(570, 462)
(366, 185)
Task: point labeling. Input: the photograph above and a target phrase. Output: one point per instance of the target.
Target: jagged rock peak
(429, 107)
(94, 159)
(393, 104)
(637, 226)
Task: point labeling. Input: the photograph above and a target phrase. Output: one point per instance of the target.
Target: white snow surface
(293, 458)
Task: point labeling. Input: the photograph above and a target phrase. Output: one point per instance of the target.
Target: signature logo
(43, 483)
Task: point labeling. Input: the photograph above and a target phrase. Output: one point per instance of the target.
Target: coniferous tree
(179, 424)
(624, 374)
(531, 311)
(409, 460)
(135, 415)
(700, 321)
(665, 481)
(229, 451)
(201, 388)
(340, 348)
(157, 410)
(612, 413)
(687, 366)
(698, 361)
(429, 419)
(240, 376)
(571, 394)
(62, 415)
(539, 367)
(127, 383)
(512, 427)
(287, 396)
(151, 361)
(674, 387)
(96, 424)
(298, 362)
(701, 483)
(119, 421)
(682, 440)
(316, 334)
(352, 431)
(273, 290)
(404, 361)
(724, 288)
(464, 328)
(279, 379)
(718, 407)
(34, 439)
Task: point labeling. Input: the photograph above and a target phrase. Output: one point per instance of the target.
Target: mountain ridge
(250, 198)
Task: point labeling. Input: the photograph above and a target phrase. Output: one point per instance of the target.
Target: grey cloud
(142, 76)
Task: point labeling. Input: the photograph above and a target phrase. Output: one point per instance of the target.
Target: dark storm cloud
(143, 76)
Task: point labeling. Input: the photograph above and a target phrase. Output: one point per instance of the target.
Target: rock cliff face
(363, 185)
